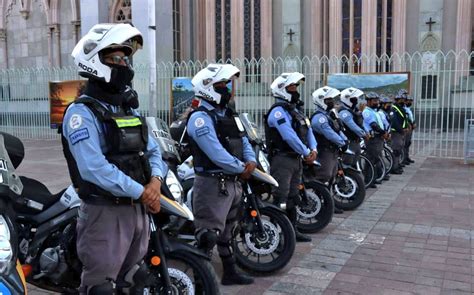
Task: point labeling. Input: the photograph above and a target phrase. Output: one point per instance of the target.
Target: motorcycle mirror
(174, 208)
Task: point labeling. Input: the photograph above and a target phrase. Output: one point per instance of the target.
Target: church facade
(42, 33)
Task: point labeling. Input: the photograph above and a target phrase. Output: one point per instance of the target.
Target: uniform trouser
(215, 210)
(328, 160)
(408, 137)
(110, 240)
(398, 142)
(374, 153)
(288, 171)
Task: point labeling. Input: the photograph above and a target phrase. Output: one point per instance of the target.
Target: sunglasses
(117, 59)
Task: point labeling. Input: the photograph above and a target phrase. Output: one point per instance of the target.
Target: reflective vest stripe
(401, 115)
(128, 122)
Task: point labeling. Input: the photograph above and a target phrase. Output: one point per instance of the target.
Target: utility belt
(221, 178)
(109, 200)
(219, 175)
(278, 152)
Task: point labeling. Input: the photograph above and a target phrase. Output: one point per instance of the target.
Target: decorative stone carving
(430, 42)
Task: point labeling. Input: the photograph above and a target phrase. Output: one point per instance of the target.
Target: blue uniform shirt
(201, 129)
(385, 120)
(280, 119)
(411, 118)
(371, 116)
(320, 124)
(86, 139)
(348, 119)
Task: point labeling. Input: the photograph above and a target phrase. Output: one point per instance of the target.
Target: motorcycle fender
(349, 167)
(263, 204)
(174, 245)
(14, 282)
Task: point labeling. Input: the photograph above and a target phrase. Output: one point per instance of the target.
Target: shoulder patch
(78, 135)
(281, 121)
(75, 121)
(344, 114)
(322, 120)
(278, 114)
(199, 122)
(365, 114)
(202, 131)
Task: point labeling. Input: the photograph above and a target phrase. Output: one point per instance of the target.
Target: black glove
(130, 98)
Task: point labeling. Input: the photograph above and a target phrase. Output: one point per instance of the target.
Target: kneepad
(206, 239)
(107, 288)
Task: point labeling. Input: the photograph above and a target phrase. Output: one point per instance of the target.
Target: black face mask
(354, 102)
(225, 95)
(295, 96)
(408, 104)
(388, 109)
(120, 77)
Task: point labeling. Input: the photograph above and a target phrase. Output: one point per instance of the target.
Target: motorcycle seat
(38, 192)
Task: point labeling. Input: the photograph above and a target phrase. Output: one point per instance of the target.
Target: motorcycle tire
(383, 170)
(368, 171)
(388, 160)
(201, 280)
(352, 194)
(263, 249)
(318, 213)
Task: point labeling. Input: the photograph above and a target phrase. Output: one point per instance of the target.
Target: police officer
(222, 154)
(113, 162)
(384, 111)
(328, 133)
(411, 127)
(399, 126)
(373, 125)
(352, 118)
(289, 138)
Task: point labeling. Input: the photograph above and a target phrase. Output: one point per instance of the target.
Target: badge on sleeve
(202, 131)
(78, 135)
(322, 120)
(365, 114)
(75, 121)
(344, 115)
(277, 114)
(199, 122)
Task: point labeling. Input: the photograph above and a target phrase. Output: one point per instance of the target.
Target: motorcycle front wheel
(268, 251)
(318, 210)
(349, 190)
(189, 274)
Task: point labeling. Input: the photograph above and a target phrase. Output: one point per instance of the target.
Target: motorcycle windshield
(160, 132)
(14, 148)
(9, 181)
(250, 127)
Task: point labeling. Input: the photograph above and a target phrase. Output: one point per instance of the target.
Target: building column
(266, 39)
(49, 35)
(3, 45)
(335, 36)
(369, 35)
(210, 23)
(312, 28)
(57, 45)
(399, 21)
(463, 36)
(93, 12)
(237, 29)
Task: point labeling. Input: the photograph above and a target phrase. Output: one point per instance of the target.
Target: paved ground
(413, 235)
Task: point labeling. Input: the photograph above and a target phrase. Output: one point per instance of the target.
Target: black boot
(300, 237)
(231, 275)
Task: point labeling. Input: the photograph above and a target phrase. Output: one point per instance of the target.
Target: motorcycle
(314, 207)
(264, 239)
(12, 280)
(47, 246)
(348, 185)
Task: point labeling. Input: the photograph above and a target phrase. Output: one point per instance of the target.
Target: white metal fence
(441, 83)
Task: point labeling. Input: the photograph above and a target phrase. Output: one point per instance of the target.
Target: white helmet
(349, 93)
(279, 85)
(319, 95)
(104, 36)
(204, 80)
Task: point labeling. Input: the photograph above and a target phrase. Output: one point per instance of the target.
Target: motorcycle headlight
(174, 186)
(6, 251)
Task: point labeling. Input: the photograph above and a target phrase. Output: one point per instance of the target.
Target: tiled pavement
(413, 235)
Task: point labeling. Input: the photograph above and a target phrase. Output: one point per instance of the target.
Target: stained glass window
(123, 13)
